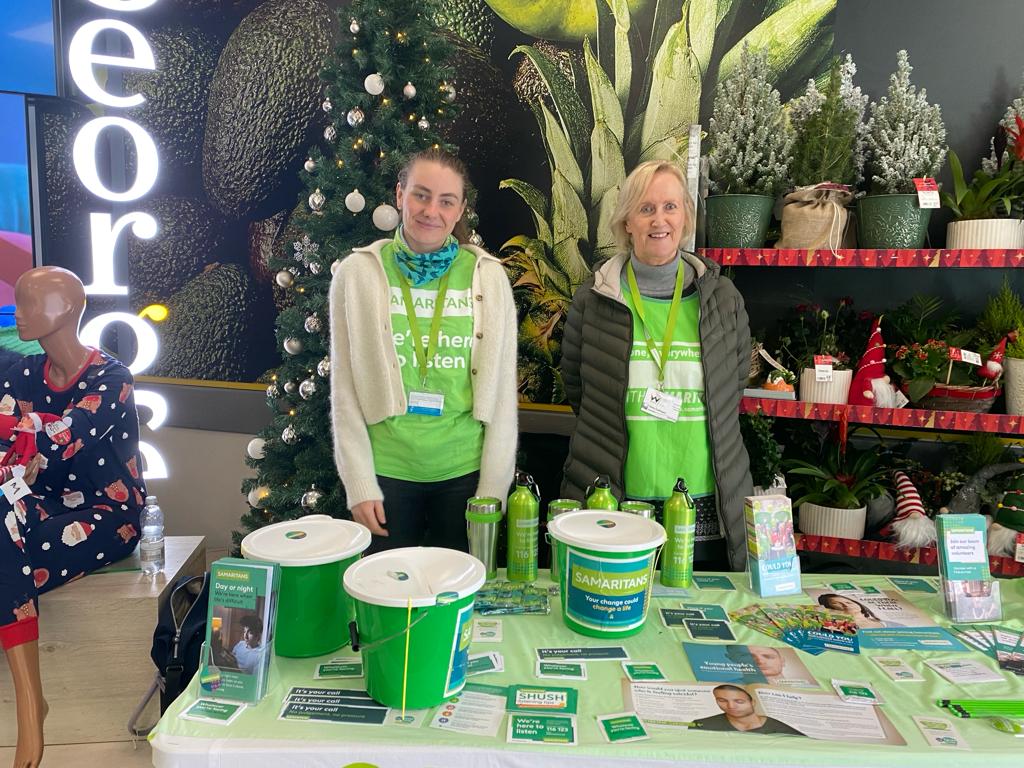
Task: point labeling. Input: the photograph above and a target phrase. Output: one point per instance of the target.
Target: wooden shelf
(864, 258)
(910, 418)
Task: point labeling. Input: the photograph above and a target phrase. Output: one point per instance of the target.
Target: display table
(257, 738)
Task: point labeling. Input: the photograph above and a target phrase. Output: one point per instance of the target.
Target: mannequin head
(48, 300)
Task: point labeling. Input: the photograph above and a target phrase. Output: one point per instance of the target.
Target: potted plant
(811, 332)
(932, 379)
(832, 495)
(1015, 375)
(983, 209)
(1000, 327)
(828, 159)
(906, 139)
(764, 452)
(749, 155)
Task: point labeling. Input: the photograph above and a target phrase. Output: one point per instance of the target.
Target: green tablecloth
(257, 738)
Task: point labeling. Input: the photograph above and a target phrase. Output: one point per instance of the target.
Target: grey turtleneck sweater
(658, 282)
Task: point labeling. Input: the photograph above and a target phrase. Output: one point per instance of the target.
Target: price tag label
(901, 399)
(965, 356)
(1019, 554)
(823, 367)
(927, 192)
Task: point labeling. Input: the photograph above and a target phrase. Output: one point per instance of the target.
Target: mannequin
(73, 475)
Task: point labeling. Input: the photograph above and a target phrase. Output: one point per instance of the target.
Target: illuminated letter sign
(104, 231)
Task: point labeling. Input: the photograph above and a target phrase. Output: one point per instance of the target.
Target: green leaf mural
(654, 61)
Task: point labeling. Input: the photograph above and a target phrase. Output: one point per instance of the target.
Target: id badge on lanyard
(661, 405)
(657, 402)
(424, 401)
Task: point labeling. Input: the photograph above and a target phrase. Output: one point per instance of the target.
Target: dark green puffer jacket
(595, 367)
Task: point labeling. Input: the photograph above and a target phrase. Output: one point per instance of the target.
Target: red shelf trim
(915, 418)
(885, 550)
(891, 258)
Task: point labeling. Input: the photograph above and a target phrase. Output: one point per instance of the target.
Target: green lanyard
(422, 356)
(670, 326)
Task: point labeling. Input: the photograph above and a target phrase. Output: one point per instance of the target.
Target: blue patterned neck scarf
(420, 268)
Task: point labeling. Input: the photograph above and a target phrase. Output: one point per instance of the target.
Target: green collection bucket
(313, 611)
(606, 564)
(414, 611)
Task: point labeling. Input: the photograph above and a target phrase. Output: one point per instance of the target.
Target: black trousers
(425, 514)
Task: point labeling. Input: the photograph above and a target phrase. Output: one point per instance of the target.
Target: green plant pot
(891, 221)
(738, 221)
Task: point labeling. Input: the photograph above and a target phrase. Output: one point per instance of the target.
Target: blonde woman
(645, 417)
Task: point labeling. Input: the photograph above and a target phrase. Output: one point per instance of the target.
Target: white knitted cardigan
(366, 383)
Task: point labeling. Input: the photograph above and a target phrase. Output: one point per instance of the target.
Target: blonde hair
(632, 192)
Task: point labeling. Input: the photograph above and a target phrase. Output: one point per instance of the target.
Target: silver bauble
(385, 217)
(327, 106)
(330, 133)
(355, 201)
(355, 117)
(423, 124)
(323, 368)
(317, 200)
(292, 345)
(314, 267)
(290, 387)
(309, 165)
(284, 278)
(258, 496)
(353, 27)
(476, 240)
(311, 498)
(374, 84)
(255, 448)
(409, 91)
(448, 91)
(273, 391)
(307, 389)
(289, 435)
(312, 324)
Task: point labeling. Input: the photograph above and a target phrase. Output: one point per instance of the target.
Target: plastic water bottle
(151, 548)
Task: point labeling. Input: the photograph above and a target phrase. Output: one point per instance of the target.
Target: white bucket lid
(605, 531)
(394, 577)
(310, 540)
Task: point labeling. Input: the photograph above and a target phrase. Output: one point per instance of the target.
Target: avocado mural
(558, 99)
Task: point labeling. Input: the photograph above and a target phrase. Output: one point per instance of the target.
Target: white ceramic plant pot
(1013, 384)
(828, 521)
(835, 391)
(985, 233)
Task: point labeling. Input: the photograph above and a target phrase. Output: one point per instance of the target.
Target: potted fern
(749, 155)
(828, 159)
(906, 139)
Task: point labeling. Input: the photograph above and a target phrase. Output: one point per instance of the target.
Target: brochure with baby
(239, 629)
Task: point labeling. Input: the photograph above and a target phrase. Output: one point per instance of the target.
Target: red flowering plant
(922, 366)
(808, 330)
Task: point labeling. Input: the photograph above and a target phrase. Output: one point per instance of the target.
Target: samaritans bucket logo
(606, 593)
(295, 535)
(606, 523)
(399, 575)
(541, 699)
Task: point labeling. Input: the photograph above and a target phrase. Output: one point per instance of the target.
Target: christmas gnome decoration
(871, 385)
(1008, 521)
(993, 367)
(911, 527)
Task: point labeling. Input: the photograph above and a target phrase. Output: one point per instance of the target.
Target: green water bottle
(523, 519)
(680, 516)
(600, 496)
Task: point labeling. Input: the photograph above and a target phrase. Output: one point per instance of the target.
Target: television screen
(15, 200)
(27, 56)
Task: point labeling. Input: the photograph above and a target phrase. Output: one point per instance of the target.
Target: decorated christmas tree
(387, 92)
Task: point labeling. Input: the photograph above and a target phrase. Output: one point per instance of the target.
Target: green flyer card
(596, 653)
(706, 611)
(704, 581)
(909, 584)
(542, 729)
(338, 669)
(334, 713)
(622, 727)
(538, 698)
(676, 617)
(704, 629)
(640, 671)
(562, 670)
(218, 712)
